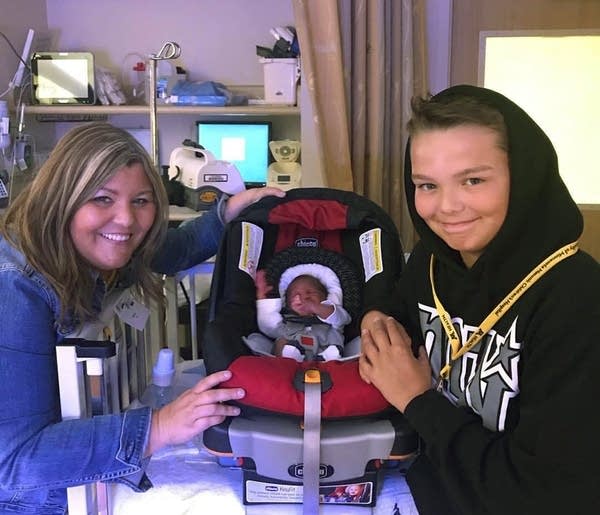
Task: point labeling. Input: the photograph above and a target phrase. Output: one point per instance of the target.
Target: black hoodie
(518, 432)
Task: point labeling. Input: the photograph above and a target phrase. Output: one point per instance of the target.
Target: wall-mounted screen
(245, 144)
(555, 77)
(63, 78)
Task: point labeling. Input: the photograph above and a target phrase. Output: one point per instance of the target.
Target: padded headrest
(349, 280)
(324, 274)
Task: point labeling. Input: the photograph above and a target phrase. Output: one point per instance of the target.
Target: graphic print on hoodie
(485, 382)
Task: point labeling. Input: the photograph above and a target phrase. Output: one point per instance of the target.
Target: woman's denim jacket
(40, 455)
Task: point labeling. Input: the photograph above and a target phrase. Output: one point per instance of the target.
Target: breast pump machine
(203, 176)
(285, 172)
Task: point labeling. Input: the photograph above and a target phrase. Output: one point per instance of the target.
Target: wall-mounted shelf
(93, 111)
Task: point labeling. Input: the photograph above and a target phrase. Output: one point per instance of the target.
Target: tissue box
(281, 77)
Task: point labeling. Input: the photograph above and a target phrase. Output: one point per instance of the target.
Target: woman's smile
(110, 226)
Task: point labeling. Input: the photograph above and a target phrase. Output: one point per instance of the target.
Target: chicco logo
(297, 470)
(307, 242)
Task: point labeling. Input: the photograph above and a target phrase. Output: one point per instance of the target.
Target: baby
(309, 325)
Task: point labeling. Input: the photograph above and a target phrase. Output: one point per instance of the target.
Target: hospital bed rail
(106, 366)
(102, 369)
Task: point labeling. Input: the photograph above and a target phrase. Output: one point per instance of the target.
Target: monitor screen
(245, 144)
(63, 78)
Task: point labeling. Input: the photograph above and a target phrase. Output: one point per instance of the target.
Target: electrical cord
(14, 49)
(10, 86)
(185, 293)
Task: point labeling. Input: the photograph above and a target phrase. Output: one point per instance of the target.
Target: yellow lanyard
(457, 350)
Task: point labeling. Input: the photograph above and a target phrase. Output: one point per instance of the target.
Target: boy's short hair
(447, 111)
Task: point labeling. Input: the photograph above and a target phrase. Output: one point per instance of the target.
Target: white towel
(188, 481)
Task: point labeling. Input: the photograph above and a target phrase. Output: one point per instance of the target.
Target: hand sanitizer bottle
(160, 391)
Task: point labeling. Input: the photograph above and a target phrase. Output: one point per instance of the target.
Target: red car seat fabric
(348, 397)
(323, 219)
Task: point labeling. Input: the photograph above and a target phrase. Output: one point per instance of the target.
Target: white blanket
(188, 481)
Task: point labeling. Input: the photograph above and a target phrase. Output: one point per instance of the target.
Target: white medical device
(285, 172)
(203, 177)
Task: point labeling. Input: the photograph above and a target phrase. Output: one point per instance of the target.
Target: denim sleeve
(38, 450)
(189, 244)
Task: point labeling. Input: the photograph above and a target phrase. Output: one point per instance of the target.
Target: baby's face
(303, 294)
(353, 489)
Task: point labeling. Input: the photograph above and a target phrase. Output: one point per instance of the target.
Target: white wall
(217, 37)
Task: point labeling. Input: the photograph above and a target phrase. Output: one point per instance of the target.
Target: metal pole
(169, 50)
(153, 114)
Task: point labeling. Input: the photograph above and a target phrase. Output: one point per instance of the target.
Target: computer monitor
(245, 144)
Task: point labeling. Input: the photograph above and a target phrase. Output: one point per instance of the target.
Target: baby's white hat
(323, 273)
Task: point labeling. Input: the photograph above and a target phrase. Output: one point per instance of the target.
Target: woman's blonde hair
(38, 221)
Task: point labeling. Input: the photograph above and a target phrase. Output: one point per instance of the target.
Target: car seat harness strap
(311, 449)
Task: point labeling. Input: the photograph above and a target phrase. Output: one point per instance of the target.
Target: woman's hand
(236, 203)
(193, 411)
(387, 361)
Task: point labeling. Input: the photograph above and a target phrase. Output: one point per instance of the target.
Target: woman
(93, 217)
(493, 349)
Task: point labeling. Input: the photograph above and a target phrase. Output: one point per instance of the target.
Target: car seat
(307, 427)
